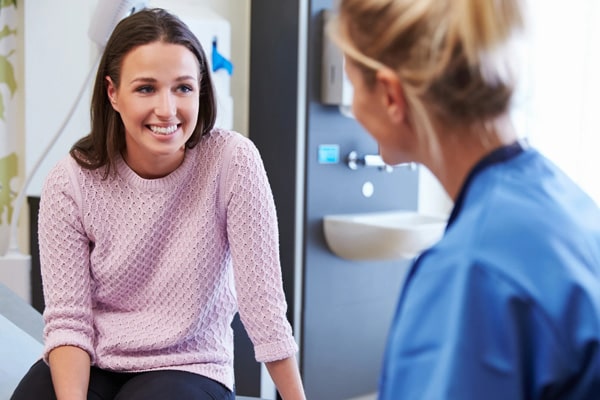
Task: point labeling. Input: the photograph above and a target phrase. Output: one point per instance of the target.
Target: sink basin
(386, 235)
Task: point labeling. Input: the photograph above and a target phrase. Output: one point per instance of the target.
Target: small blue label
(329, 154)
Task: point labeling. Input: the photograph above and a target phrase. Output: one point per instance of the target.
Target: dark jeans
(105, 385)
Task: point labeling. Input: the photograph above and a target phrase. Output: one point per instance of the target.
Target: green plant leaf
(1, 106)
(8, 171)
(7, 73)
(8, 3)
(6, 31)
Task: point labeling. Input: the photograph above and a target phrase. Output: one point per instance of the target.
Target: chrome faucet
(354, 160)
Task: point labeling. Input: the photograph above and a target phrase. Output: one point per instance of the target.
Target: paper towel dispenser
(336, 89)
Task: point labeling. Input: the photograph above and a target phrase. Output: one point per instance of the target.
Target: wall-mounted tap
(354, 160)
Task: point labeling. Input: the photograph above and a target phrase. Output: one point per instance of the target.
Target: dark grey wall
(272, 113)
(347, 306)
(272, 127)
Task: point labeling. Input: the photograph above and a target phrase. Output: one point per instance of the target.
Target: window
(559, 104)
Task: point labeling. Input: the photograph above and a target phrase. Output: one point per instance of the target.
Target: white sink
(382, 235)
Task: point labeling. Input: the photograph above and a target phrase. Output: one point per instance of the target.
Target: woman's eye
(145, 89)
(185, 88)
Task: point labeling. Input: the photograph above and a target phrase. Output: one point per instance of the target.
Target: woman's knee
(36, 384)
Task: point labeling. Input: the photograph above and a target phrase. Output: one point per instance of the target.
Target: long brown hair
(106, 141)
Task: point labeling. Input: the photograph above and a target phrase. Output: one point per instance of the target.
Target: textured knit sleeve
(254, 242)
(64, 258)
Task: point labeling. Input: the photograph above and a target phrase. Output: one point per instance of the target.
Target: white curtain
(561, 92)
(9, 117)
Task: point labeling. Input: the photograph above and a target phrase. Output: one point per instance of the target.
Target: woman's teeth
(163, 130)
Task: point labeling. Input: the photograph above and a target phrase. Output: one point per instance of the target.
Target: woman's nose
(166, 105)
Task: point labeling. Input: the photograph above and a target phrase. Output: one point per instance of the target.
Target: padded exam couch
(21, 339)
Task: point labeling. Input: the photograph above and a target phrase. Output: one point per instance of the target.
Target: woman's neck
(153, 168)
(461, 149)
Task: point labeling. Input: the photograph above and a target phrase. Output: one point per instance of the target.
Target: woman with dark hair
(507, 304)
(154, 232)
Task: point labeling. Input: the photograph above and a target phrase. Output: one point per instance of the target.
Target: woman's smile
(163, 130)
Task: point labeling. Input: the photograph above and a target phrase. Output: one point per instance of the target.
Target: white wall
(57, 57)
(564, 82)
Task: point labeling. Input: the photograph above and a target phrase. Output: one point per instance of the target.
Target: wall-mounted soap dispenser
(336, 88)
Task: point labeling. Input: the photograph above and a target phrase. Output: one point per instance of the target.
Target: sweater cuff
(68, 338)
(276, 351)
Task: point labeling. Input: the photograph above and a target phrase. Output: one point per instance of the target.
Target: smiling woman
(153, 233)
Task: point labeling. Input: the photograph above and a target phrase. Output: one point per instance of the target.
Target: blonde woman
(507, 304)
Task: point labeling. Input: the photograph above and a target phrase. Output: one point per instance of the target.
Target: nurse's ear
(394, 100)
(111, 92)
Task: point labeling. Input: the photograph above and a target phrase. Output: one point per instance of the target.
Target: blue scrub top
(507, 305)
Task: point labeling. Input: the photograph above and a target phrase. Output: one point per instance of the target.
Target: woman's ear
(394, 101)
(111, 92)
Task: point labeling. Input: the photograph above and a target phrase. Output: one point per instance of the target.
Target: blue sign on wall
(329, 154)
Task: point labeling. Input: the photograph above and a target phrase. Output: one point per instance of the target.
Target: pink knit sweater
(148, 274)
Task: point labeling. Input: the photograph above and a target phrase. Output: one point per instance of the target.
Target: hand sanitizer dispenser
(336, 89)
